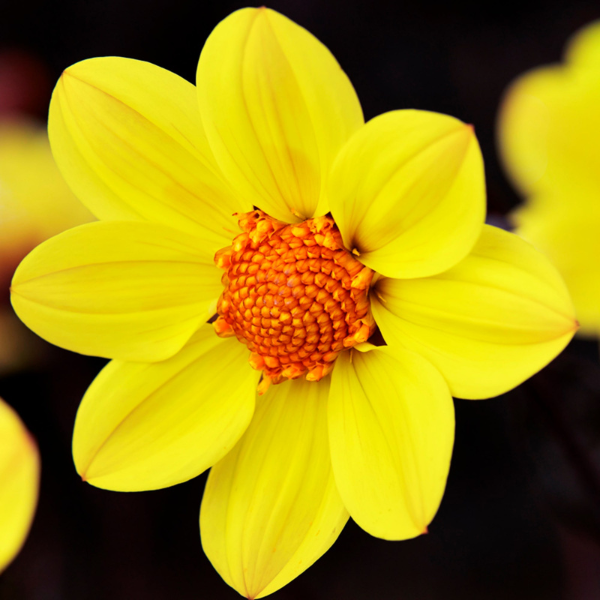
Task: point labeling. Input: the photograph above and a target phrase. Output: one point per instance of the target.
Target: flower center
(294, 295)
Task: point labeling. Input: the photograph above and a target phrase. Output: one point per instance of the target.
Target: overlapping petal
(488, 323)
(271, 508)
(128, 290)
(277, 108)
(19, 483)
(391, 430)
(129, 140)
(408, 193)
(146, 426)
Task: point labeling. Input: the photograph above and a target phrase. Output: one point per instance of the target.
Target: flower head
(19, 483)
(294, 295)
(323, 228)
(548, 133)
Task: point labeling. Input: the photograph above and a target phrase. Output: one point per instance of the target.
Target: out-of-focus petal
(146, 426)
(408, 193)
(271, 508)
(19, 483)
(583, 50)
(391, 431)
(129, 140)
(548, 133)
(487, 324)
(129, 290)
(569, 237)
(548, 126)
(277, 108)
(35, 201)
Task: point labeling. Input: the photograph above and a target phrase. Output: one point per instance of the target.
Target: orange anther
(363, 334)
(299, 231)
(239, 243)
(223, 328)
(271, 362)
(223, 258)
(319, 371)
(256, 361)
(264, 385)
(292, 372)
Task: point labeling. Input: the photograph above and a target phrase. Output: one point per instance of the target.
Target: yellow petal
(548, 132)
(391, 430)
(148, 426)
(32, 208)
(271, 508)
(583, 50)
(128, 290)
(277, 108)
(523, 129)
(128, 139)
(488, 323)
(19, 483)
(569, 237)
(408, 193)
(548, 128)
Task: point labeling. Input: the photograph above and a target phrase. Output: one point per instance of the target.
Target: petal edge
(391, 430)
(488, 323)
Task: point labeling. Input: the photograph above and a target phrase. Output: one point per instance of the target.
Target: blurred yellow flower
(345, 227)
(549, 136)
(19, 483)
(35, 204)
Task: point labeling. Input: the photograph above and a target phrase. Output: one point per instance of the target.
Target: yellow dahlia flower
(549, 132)
(19, 483)
(323, 228)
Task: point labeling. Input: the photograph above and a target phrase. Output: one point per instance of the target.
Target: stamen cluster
(294, 295)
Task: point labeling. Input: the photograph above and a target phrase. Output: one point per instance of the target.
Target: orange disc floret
(294, 295)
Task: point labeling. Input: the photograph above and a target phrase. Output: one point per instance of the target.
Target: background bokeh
(521, 514)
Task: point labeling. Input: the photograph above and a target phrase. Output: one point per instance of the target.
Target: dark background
(521, 514)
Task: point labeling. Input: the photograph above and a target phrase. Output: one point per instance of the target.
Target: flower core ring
(294, 295)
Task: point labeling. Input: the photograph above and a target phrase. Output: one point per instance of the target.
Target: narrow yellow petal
(129, 140)
(128, 290)
(148, 426)
(271, 508)
(19, 483)
(277, 108)
(487, 324)
(408, 193)
(391, 431)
